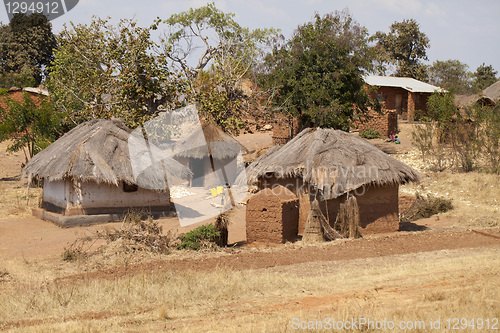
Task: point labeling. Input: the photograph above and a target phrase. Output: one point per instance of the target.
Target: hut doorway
(198, 169)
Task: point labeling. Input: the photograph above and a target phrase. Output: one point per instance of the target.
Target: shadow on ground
(410, 226)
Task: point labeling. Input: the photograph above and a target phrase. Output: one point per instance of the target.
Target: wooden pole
(224, 175)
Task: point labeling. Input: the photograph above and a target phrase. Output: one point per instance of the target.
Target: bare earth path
(396, 244)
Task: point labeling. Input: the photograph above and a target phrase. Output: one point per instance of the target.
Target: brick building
(402, 95)
(17, 94)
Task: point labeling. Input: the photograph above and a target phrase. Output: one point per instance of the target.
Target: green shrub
(370, 133)
(204, 236)
(422, 116)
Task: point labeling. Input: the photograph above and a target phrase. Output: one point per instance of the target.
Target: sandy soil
(404, 136)
(256, 141)
(33, 245)
(25, 236)
(371, 247)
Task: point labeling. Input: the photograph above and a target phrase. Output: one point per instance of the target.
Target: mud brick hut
(272, 215)
(329, 165)
(207, 150)
(88, 176)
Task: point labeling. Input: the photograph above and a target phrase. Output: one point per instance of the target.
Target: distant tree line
(26, 50)
(100, 69)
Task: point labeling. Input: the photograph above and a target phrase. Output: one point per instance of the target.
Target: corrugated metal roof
(40, 91)
(401, 82)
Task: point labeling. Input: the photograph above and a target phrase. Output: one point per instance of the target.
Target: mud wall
(272, 216)
(378, 209)
(378, 205)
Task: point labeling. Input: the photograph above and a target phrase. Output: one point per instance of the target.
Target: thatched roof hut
(98, 151)
(207, 150)
(332, 161)
(463, 101)
(330, 166)
(490, 96)
(100, 170)
(210, 141)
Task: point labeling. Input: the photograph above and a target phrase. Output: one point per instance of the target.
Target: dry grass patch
(408, 287)
(475, 196)
(13, 199)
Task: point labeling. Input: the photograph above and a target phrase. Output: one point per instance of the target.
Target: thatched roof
(98, 151)
(493, 91)
(332, 161)
(464, 101)
(211, 140)
(489, 96)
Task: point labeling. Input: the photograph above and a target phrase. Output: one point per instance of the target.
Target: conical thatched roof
(98, 151)
(332, 161)
(464, 101)
(493, 91)
(211, 140)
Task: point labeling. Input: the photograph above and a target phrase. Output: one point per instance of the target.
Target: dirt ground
(30, 249)
(341, 250)
(22, 235)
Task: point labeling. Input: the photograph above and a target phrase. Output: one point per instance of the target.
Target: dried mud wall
(379, 209)
(378, 205)
(272, 218)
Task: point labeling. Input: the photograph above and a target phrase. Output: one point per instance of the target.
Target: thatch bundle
(348, 218)
(99, 151)
(222, 225)
(209, 141)
(317, 228)
(332, 161)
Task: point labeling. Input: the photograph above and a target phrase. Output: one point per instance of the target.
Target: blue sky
(465, 30)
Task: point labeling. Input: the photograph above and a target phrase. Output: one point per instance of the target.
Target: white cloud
(402, 7)
(433, 9)
(313, 2)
